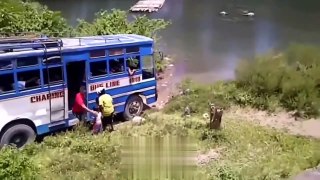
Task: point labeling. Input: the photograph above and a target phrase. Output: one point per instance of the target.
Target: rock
(137, 120)
(206, 116)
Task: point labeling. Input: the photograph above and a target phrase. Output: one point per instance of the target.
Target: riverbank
(166, 86)
(247, 147)
(242, 149)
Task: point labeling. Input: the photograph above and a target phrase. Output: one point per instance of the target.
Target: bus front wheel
(134, 107)
(18, 135)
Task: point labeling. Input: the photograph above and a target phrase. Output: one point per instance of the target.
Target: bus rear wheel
(134, 107)
(18, 135)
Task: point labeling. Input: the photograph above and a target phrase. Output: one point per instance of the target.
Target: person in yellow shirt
(106, 107)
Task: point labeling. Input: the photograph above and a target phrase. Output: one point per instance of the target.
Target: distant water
(208, 46)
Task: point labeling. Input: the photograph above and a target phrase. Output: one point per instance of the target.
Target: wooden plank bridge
(147, 6)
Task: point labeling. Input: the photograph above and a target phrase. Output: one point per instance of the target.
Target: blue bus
(40, 77)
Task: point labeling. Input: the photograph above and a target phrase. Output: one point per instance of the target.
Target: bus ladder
(48, 74)
(63, 82)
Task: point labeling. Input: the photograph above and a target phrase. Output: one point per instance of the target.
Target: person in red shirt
(79, 108)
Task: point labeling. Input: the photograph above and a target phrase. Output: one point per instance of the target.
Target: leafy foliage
(116, 22)
(19, 17)
(15, 164)
(72, 155)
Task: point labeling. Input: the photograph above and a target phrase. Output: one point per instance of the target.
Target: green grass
(247, 151)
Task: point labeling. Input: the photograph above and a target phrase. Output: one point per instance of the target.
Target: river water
(207, 46)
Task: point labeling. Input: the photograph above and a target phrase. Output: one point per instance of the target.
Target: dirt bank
(280, 120)
(166, 86)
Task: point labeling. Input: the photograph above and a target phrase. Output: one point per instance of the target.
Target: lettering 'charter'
(45, 97)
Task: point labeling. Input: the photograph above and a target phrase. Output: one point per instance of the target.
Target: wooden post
(215, 116)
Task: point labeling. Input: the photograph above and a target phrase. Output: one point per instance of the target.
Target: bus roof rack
(20, 42)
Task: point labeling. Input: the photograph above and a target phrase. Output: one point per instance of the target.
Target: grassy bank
(289, 81)
(245, 151)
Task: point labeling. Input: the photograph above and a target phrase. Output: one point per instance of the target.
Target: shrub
(116, 22)
(291, 80)
(16, 164)
(19, 17)
(77, 155)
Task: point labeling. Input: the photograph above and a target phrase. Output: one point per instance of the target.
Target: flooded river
(208, 46)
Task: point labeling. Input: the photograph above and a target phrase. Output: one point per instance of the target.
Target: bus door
(54, 80)
(75, 77)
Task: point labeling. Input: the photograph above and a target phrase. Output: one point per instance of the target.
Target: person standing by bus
(79, 108)
(105, 103)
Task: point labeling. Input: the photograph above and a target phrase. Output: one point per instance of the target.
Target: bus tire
(18, 135)
(134, 107)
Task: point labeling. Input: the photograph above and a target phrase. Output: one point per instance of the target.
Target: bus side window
(148, 70)
(133, 62)
(52, 59)
(116, 66)
(27, 61)
(29, 79)
(6, 83)
(132, 49)
(55, 75)
(5, 64)
(98, 68)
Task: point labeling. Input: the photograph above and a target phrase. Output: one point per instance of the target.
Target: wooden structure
(147, 6)
(215, 116)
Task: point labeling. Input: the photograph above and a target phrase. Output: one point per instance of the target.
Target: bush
(79, 155)
(116, 22)
(16, 164)
(291, 80)
(18, 17)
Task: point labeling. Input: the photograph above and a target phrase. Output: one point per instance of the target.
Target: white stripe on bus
(128, 93)
(66, 91)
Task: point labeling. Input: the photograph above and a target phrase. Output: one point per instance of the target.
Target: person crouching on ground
(79, 108)
(106, 107)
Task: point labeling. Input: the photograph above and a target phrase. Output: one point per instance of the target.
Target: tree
(17, 17)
